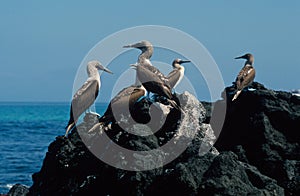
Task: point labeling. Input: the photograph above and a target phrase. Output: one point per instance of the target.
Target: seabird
(148, 75)
(152, 82)
(86, 94)
(147, 51)
(176, 75)
(245, 76)
(144, 58)
(123, 103)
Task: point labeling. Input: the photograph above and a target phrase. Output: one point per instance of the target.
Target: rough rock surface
(263, 128)
(258, 151)
(18, 190)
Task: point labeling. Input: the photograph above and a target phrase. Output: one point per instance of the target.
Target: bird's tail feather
(236, 95)
(174, 104)
(69, 127)
(95, 127)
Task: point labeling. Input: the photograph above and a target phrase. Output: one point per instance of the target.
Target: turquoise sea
(26, 130)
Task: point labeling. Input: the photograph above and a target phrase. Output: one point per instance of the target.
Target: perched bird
(86, 94)
(176, 75)
(245, 76)
(147, 51)
(144, 58)
(152, 82)
(148, 75)
(122, 103)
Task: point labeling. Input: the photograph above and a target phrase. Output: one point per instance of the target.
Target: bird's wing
(84, 97)
(245, 77)
(124, 92)
(173, 77)
(148, 74)
(153, 83)
(136, 94)
(155, 72)
(126, 102)
(123, 101)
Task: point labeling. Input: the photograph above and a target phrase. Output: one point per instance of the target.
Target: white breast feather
(181, 70)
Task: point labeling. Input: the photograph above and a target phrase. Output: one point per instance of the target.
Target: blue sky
(42, 43)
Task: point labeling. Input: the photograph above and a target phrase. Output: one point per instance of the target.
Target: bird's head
(142, 45)
(248, 57)
(98, 66)
(177, 62)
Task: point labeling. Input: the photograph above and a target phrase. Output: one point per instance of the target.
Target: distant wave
(28, 128)
(5, 187)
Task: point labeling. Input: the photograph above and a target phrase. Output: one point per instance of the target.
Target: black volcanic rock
(228, 176)
(262, 128)
(70, 167)
(18, 190)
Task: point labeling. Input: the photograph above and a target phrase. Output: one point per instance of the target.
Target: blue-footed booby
(148, 75)
(86, 94)
(147, 51)
(176, 75)
(123, 103)
(144, 58)
(245, 76)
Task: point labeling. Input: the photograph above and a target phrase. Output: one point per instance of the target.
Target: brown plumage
(245, 76)
(152, 82)
(144, 58)
(86, 94)
(148, 75)
(122, 103)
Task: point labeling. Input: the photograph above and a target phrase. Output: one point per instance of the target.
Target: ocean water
(26, 130)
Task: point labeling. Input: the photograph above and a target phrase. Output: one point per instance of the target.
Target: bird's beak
(107, 70)
(240, 57)
(128, 46)
(136, 45)
(185, 61)
(133, 66)
(100, 67)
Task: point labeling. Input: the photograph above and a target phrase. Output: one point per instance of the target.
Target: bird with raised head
(86, 94)
(246, 76)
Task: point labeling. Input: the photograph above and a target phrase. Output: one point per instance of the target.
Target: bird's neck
(177, 66)
(181, 71)
(249, 62)
(145, 55)
(92, 72)
(181, 68)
